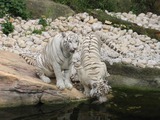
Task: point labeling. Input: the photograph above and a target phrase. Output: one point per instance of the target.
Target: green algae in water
(128, 104)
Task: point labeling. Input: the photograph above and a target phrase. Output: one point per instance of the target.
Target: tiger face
(71, 42)
(99, 90)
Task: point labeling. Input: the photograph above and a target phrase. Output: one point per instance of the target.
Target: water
(126, 105)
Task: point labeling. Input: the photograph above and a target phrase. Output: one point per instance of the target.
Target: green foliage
(144, 6)
(14, 8)
(137, 6)
(82, 5)
(36, 31)
(43, 21)
(7, 27)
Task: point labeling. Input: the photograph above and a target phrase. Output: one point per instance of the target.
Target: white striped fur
(104, 38)
(92, 72)
(55, 59)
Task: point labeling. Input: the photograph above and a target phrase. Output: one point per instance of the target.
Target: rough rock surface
(48, 8)
(19, 85)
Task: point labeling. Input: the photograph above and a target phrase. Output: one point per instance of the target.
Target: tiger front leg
(59, 77)
(67, 80)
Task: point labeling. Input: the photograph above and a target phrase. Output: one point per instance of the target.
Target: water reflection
(130, 105)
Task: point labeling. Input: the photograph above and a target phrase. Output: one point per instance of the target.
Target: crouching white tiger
(55, 59)
(92, 72)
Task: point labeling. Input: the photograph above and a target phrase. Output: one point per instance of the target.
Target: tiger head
(100, 89)
(70, 41)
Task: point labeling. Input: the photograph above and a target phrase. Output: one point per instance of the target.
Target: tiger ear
(63, 34)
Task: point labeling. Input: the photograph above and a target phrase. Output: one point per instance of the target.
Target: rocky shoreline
(140, 50)
(20, 86)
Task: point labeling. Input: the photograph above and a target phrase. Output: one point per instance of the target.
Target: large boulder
(20, 86)
(131, 77)
(48, 8)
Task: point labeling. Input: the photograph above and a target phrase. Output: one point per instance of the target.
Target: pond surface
(126, 105)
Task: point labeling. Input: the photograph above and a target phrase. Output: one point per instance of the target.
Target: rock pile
(141, 50)
(148, 20)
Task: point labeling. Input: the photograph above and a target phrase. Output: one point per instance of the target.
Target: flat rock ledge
(132, 77)
(20, 86)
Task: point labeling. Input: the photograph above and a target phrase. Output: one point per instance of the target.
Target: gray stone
(126, 60)
(97, 26)
(36, 40)
(21, 43)
(9, 43)
(46, 34)
(48, 8)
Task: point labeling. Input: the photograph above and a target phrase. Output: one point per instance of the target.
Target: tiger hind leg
(44, 78)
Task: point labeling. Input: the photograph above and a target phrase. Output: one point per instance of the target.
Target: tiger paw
(60, 85)
(68, 85)
(45, 79)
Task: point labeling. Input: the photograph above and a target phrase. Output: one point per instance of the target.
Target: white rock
(91, 21)
(29, 43)
(47, 39)
(142, 61)
(83, 15)
(158, 45)
(134, 62)
(26, 27)
(21, 43)
(9, 43)
(157, 67)
(141, 15)
(126, 60)
(141, 65)
(96, 26)
(128, 36)
(28, 32)
(63, 28)
(46, 34)
(151, 63)
(130, 31)
(149, 14)
(18, 28)
(14, 33)
(108, 22)
(44, 44)
(36, 40)
(86, 30)
(62, 18)
(141, 47)
(117, 60)
(86, 19)
(38, 48)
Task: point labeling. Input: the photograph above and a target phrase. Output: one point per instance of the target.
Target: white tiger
(55, 59)
(91, 71)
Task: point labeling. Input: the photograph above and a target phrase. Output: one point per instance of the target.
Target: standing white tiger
(91, 71)
(55, 59)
